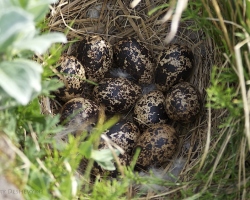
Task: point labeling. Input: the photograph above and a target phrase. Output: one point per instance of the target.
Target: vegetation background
(34, 165)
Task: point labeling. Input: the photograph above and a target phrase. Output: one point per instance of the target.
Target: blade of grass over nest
(243, 87)
(106, 139)
(134, 3)
(95, 136)
(180, 7)
(242, 168)
(222, 24)
(152, 11)
(218, 158)
(208, 141)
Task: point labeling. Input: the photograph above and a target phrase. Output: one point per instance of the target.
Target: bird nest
(116, 19)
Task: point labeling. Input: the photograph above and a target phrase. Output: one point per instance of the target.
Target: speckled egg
(79, 113)
(158, 144)
(124, 134)
(174, 64)
(183, 102)
(96, 55)
(149, 110)
(135, 58)
(117, 94)
(72, 74)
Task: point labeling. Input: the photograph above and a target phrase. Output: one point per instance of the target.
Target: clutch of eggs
(174, 64)
(134, 57)
(133, 61)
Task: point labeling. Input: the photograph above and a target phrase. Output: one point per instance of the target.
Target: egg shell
(117, 94)
(96, 55)
(135, 58)
(124, 134)
(79, 113)
(174, 64)
(72, 74)
(149, 110)
(183, 102)
(158, 144)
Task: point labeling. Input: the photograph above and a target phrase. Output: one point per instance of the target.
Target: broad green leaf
(15, 24)
(22, 35)
(107, 165)
(40, 44)
(38, 8)
(20, 79)
(104, 158)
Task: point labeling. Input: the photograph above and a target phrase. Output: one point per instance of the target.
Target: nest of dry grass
(114, 20)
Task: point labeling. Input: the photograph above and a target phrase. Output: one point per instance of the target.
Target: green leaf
(39, 8)
(50, 85)
(85, 149)
(20, 79)
(104, 158)
(22, 35)
(152, 11)
(107, 165)
(41, 43)
(15, 24)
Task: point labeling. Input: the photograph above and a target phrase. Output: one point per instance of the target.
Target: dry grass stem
(222, 24)
(134, 3)
(180, 7)
(238, 57)
(109, 142)
(208, 140)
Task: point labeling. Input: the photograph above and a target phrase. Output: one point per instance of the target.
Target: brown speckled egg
(117, 94)
(149, 110)
(96, 56)
(174, 64)
(79, 113)
(72, 74)
(158, 144)
(183, 102)
(124, 134)
(135, 58)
